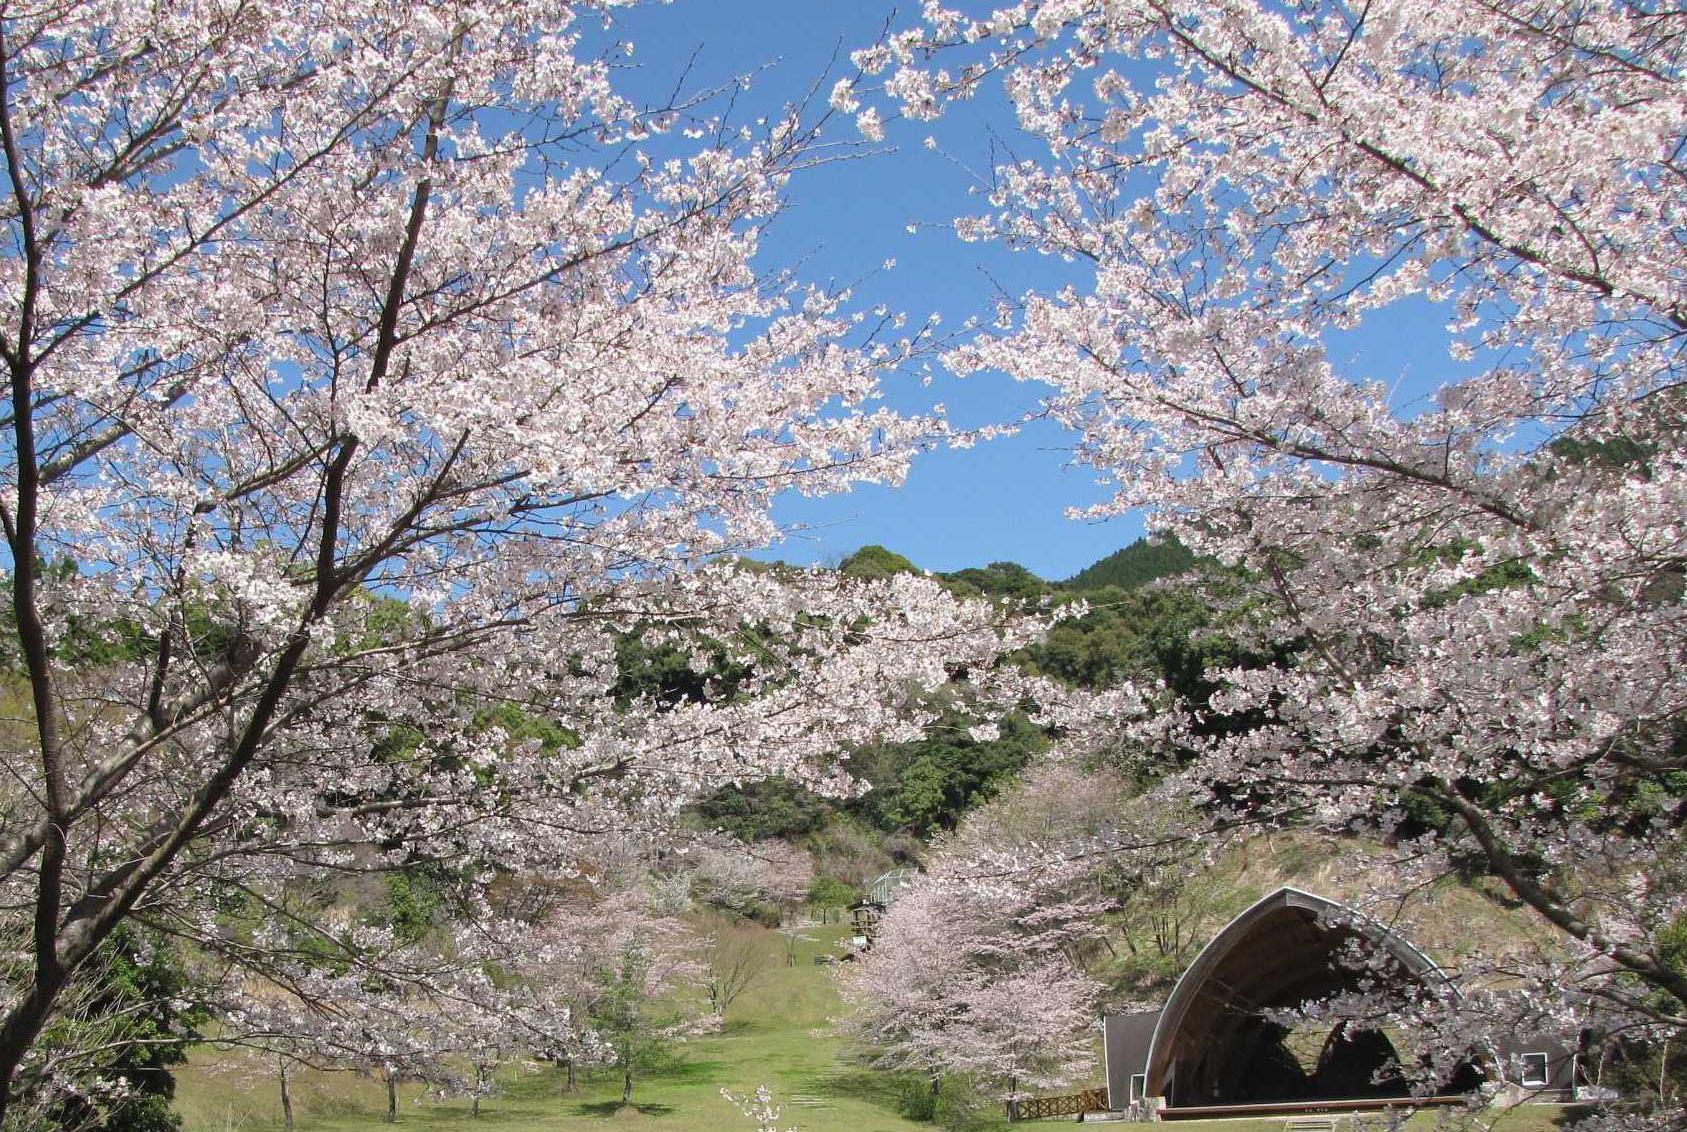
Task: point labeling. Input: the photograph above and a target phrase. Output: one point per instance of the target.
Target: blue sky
(1003, 500)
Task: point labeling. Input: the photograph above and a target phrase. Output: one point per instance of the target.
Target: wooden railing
(1073, 1104)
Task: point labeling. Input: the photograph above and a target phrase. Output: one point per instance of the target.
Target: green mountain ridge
(1128, 568)
(1134, 566)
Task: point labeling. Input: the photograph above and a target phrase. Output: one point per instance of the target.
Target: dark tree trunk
(22, 1026)
(286, 1098)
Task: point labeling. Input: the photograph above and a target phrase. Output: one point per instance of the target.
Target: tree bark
(286, 1097)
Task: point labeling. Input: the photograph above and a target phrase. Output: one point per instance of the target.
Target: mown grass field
(773, 1036)
(769, 1039)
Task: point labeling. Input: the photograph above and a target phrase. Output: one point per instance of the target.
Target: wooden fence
(1073, 1104)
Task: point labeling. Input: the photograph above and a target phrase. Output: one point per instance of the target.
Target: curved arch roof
(1278, 953)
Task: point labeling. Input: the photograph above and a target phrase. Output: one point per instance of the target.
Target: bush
(964, 1107)
(960, 1104)
(917, 1101)
(830, 892)
(765, 914)
(845, 848)
(761, 810)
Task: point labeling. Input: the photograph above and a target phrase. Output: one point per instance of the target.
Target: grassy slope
(1448, 920)
(768, 1040)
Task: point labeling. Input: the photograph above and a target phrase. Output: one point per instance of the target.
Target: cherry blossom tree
(399, 1026)
(739, 877)
(976, 968)
(372, 373)
(1483, 584)
(953, 984)
(452, 1008)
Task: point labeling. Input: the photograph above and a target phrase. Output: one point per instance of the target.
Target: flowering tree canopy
(975, 968)
(1483, 585)
(371, 372)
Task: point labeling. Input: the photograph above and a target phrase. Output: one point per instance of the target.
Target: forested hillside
(1136, 565)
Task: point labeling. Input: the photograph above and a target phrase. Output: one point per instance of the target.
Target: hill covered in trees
(1128, 568)
(1136, 565)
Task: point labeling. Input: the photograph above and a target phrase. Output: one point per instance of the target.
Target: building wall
(1538, 1065)
(1125, 1042)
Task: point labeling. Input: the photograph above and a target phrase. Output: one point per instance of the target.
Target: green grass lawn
(770, 1039)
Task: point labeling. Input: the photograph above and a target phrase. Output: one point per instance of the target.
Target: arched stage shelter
(1214, 1045)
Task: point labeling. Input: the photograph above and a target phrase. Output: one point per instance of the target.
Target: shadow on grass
(605, 1109)
(490, 1117)
(882, 1090)
(699, 1070)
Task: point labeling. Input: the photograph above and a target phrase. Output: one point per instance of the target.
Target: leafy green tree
(872, 562)
(768, 808)
(831, 892)
(634, 1011)
(415, 896)
(1170, 634)
(1000, 579)
(666, 675)
(926, 785)
(1163, 632)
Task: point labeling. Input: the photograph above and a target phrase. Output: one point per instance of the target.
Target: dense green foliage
(757, 811)
(926, 785)
(415, 896)
(1136, 565)
(1129, 568)
(918, 787)
(667, 676)
(874, 561)
(830, 892)
(1128, 634)
(140, 1011)
(999, 579)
